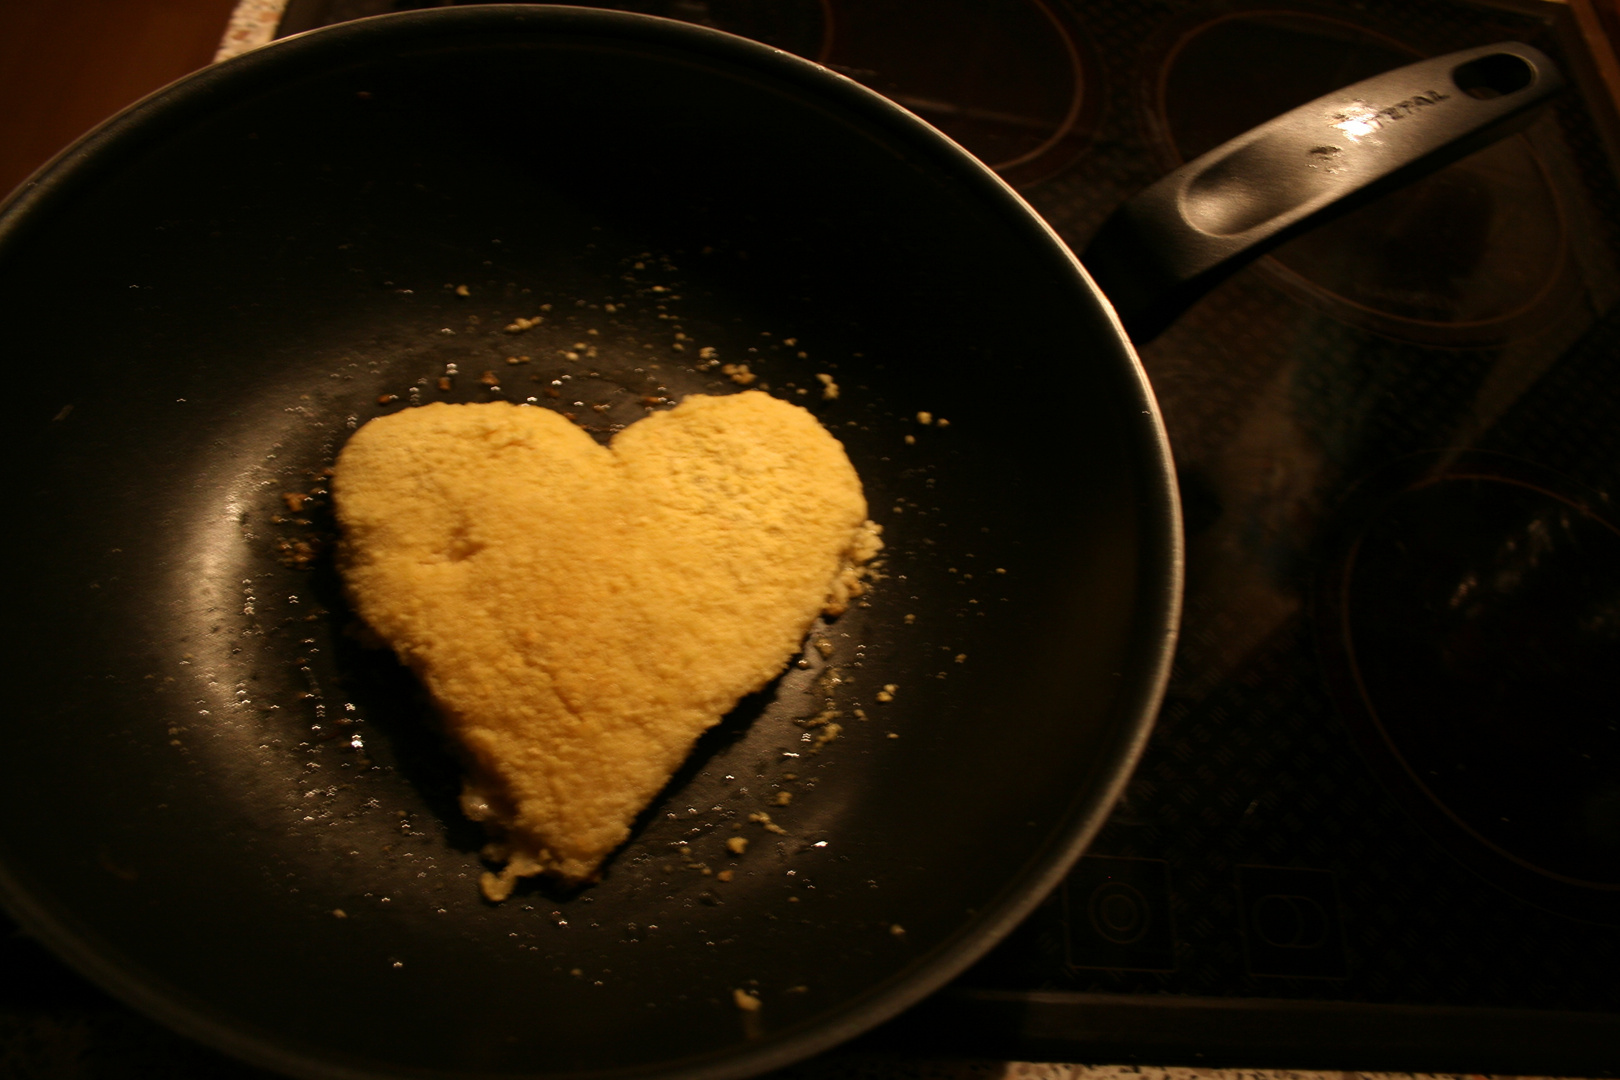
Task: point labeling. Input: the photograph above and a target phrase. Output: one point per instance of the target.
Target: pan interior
(217, 802)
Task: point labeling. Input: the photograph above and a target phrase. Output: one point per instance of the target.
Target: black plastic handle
(1174, 241)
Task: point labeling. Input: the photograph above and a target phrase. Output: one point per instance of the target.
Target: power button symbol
(1119, 913)
(1291, 922)
(1285, 921)
(1116, 915)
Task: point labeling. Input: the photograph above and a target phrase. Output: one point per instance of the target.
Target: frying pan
(219, 804)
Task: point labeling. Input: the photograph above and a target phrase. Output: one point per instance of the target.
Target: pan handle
(1177, 239)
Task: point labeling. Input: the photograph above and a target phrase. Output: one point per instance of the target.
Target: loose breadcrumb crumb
(763, 819)
(828, 734)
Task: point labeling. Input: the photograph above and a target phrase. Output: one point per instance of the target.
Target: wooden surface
(66, 65)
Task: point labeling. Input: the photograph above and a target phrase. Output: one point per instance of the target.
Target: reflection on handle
(1177, 239)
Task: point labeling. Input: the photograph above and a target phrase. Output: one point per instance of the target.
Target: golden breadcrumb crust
(581, 613)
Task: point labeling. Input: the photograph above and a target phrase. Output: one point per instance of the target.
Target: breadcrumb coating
(581, 613)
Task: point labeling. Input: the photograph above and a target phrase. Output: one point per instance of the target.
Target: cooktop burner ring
(1011, 80)
(1463, 619)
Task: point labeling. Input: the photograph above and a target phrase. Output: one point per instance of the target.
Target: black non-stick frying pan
(218, 803)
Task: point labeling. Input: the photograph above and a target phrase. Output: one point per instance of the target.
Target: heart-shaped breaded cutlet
(581, 613)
